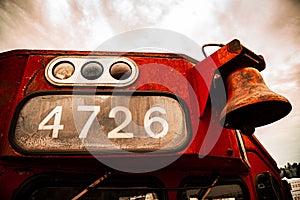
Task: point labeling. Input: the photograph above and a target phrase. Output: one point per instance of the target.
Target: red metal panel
(22, 74)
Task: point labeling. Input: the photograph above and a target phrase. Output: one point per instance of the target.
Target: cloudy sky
(270, 28)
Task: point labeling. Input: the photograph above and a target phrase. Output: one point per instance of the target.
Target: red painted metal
(22, 74)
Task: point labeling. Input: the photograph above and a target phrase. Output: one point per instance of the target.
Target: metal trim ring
(77, 79)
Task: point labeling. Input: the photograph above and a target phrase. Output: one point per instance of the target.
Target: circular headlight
(120, 70)
(92, 70)
(63, 70)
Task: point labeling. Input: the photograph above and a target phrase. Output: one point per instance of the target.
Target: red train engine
(110, 125)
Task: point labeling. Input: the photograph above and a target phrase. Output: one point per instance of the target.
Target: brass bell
(250, 103)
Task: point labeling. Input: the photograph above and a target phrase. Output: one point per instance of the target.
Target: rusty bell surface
(250, 103)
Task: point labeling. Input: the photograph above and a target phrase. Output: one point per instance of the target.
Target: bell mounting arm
(224, 61)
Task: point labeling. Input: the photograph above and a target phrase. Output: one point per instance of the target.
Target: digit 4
(56, 113)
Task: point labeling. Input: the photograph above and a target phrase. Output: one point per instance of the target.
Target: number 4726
(115, 133)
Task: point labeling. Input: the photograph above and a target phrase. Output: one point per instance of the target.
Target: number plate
(72, 123)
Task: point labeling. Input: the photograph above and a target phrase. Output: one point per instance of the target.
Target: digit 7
(95, 110)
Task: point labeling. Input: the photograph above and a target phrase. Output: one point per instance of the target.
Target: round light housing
(92, 70)
(120, 70)
(63, 70)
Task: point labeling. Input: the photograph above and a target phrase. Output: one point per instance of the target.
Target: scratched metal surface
(30, 137)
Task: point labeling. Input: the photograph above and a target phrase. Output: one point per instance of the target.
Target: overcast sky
(270, 28)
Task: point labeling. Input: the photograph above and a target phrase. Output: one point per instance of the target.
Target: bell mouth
(255, 115)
